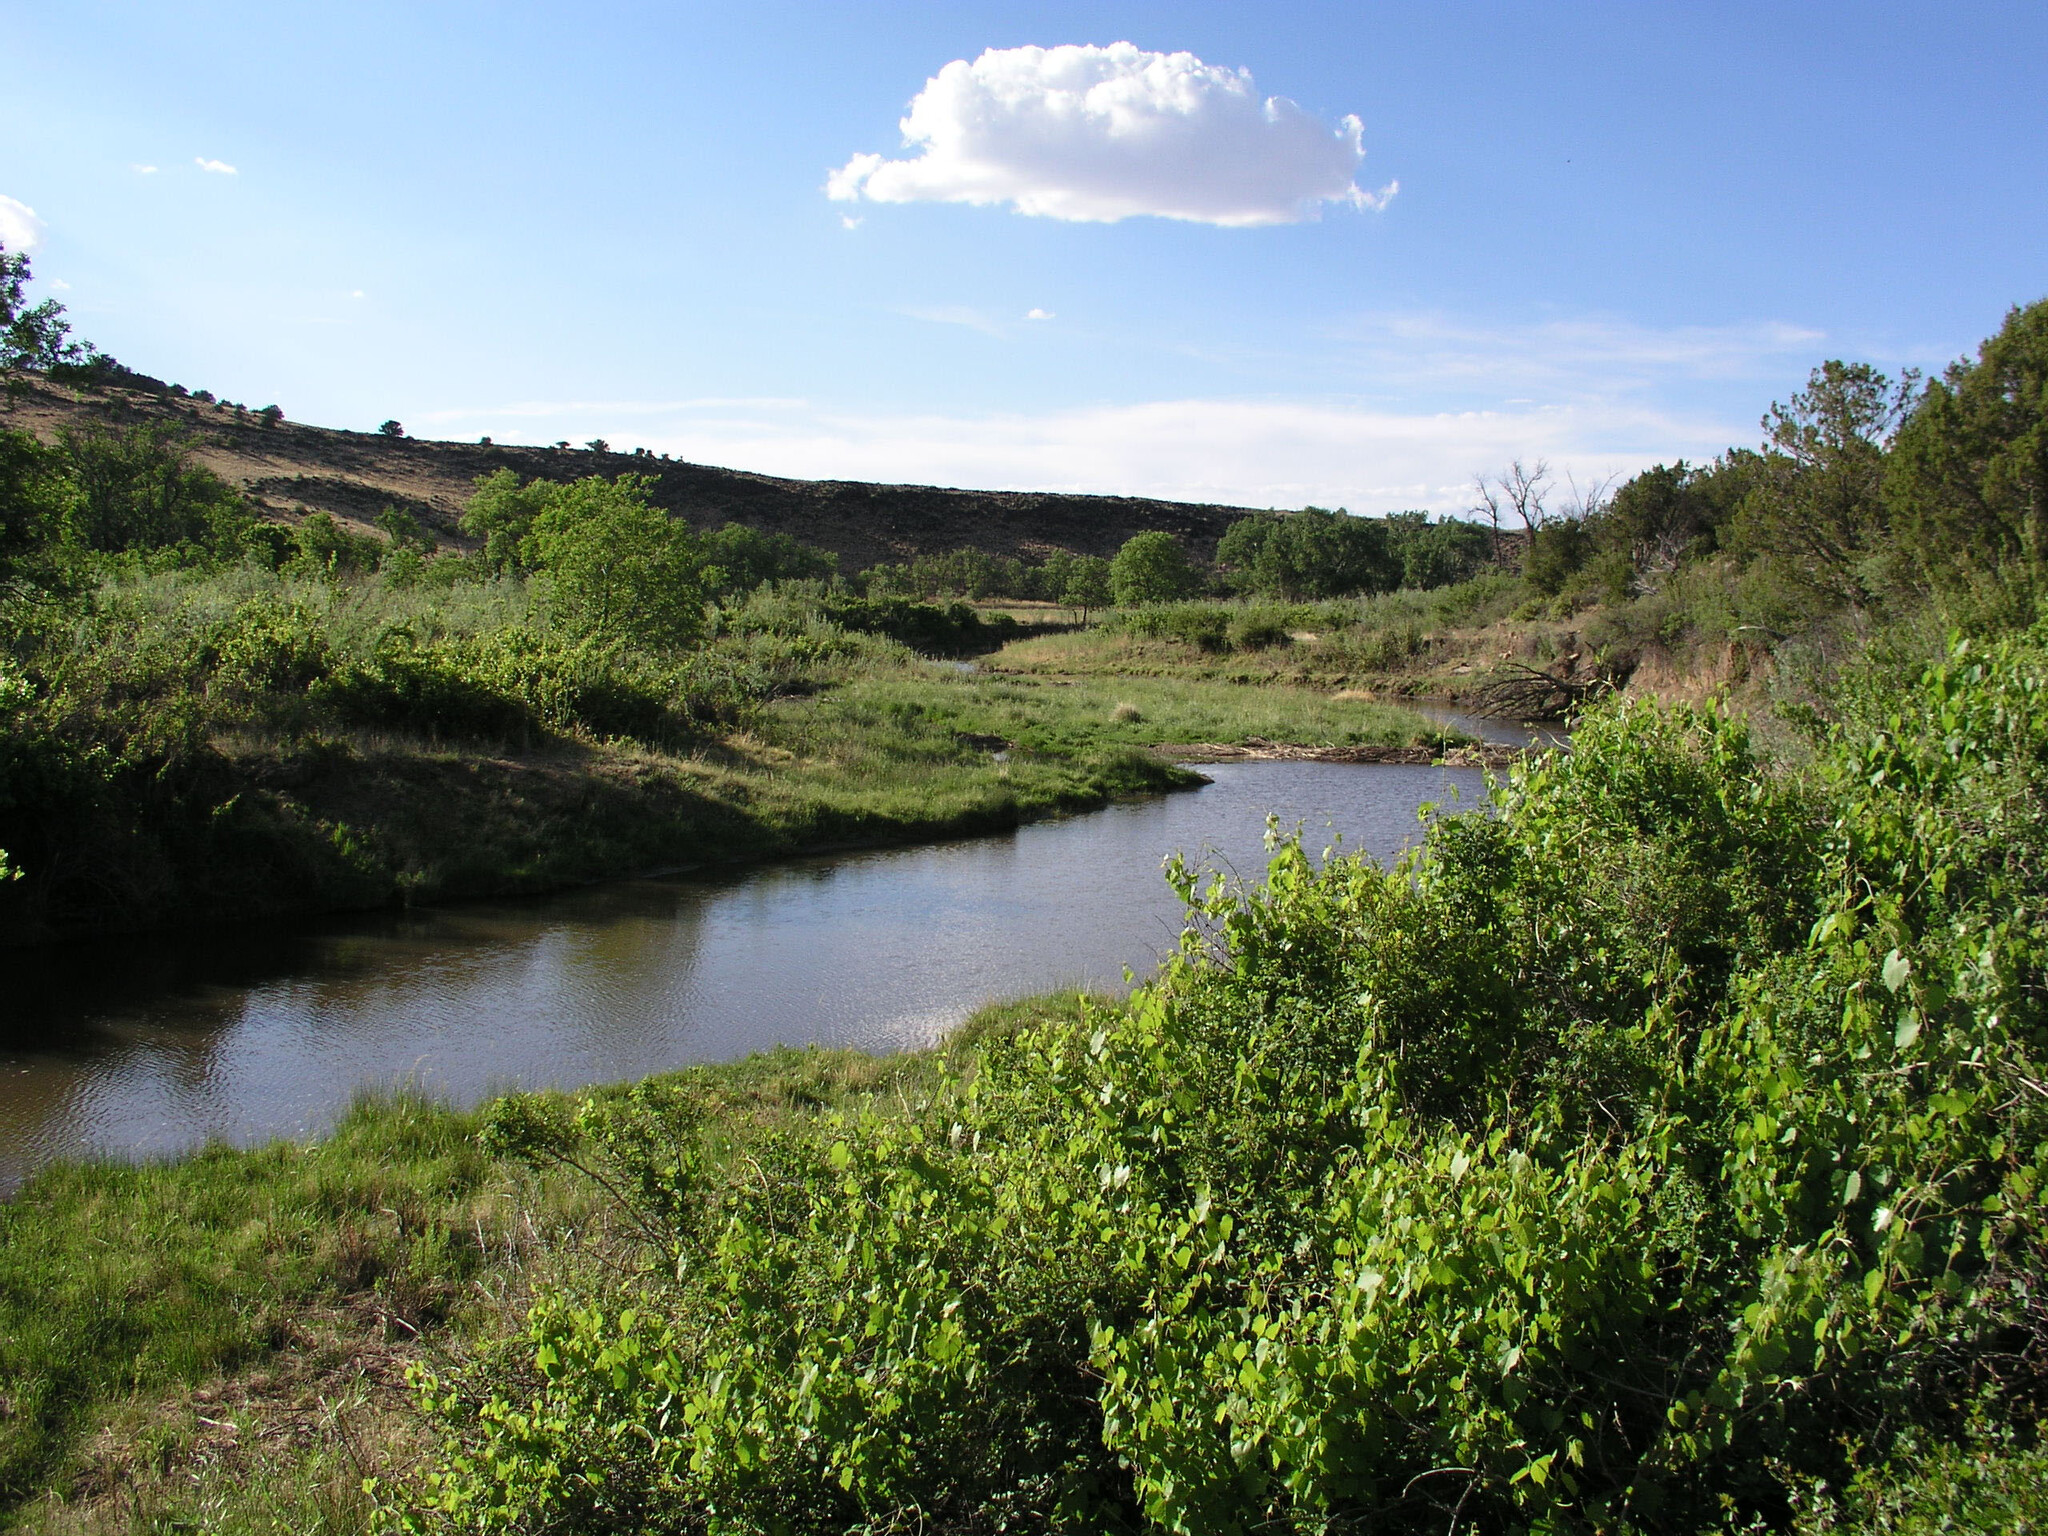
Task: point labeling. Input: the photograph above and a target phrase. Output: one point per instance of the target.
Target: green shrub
(1623, 1161)
(1205, 626)
(952, 630)
(1258, 630)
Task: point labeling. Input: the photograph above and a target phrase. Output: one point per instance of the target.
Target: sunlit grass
(220, 1342)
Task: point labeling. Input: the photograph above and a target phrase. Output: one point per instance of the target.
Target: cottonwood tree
(1078, 581)
(1313, 553)
(1152, 568)
(618, 567)
(142, 489)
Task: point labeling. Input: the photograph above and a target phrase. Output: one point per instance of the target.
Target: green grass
(1070, 719)
(220, 1342)
(1402, 644)
(123, 1287)
(169, 778)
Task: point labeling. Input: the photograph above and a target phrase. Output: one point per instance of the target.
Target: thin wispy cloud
(143, 170)
(216, 167)
(588, 408)
(1101, 134)
(1257, 453)
(954, 314)
(1575, 356)
(1244, 453)
(20, 229)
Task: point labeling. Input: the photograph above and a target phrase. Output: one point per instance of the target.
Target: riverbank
(1256, 749)
(1384, 1147)
(222, 1342)
(209, 809)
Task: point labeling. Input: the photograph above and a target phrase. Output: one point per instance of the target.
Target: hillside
(291, 469)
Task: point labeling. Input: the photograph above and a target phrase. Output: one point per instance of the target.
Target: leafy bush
(1203, 625)
(142, 489)
(1152, 568)
(1257, 629)
(1621, 1161)
(952, 630)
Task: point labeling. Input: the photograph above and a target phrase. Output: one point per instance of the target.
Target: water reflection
(143, 1047)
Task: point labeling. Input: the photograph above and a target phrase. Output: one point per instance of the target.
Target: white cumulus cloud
(1101, 134)
(1038, 314)
(218, 167)
(20, 229)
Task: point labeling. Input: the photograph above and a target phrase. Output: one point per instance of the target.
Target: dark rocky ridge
(292, 469)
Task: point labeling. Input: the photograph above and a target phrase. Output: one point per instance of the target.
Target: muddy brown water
(137, 1048)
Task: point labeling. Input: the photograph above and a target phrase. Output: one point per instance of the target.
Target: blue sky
(1619, 231)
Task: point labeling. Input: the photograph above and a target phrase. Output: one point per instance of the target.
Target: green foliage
(739, 559)
(618, 567)
(1993, 1481)
(1078, 581)
(1556, 552)
(501, 514)
(1967, 484)
(323, 547)
(1436, 554)
(33, 336)
(141, 489)
(1816, 506)
(1312, 553)
(406, 530)
(1662, 519)
(950, 630)
(1206, 626)
(1316, 553)
(35, 497)
(1622, 1161)
(1152, 568)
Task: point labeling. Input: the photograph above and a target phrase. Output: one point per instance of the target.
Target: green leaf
(1896, 969)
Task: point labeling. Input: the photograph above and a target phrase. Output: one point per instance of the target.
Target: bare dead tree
(1489, 507)
(1524, 488)
(1589, 503)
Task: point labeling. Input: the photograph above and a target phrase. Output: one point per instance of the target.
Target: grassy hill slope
(291, 469)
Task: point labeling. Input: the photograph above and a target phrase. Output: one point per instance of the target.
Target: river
(150, 1047)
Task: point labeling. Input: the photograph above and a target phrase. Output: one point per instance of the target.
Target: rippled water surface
(142, 1047)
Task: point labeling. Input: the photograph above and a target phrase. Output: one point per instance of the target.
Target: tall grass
(220, 1342)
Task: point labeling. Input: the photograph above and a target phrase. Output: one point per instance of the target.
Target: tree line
(1865, 490)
